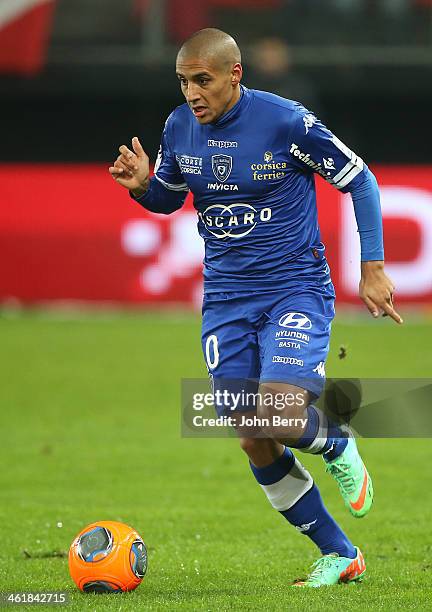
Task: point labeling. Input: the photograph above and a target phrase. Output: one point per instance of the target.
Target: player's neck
(237, 94)
(234, 99)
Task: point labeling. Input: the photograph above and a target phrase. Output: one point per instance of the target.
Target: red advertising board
(69, 232)
(25, 29)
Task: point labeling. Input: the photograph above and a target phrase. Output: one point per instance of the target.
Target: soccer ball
(107, 557)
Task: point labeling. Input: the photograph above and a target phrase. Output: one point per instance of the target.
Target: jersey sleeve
(315, 148)
(166, 169)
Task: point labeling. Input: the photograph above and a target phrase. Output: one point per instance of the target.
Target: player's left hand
(376, 290)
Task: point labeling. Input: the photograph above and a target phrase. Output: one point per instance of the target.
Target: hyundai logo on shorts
(295, 320)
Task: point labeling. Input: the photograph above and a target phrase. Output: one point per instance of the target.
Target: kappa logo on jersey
(295, 320)
(189, 164)
(234, 220)
(222, 144)
(309, 121)
(320, 369)
(222, 166)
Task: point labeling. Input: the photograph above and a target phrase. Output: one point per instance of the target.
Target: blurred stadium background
(80, 78)
(91, 419)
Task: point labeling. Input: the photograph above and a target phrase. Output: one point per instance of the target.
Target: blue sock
(321, 436)
(290, 490)
(310, 516)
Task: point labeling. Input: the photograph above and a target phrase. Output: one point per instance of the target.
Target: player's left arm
(315, 148)
(376, 288)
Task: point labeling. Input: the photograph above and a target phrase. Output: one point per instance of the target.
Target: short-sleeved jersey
(252, 177)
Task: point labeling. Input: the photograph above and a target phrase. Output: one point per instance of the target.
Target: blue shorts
(276, 336)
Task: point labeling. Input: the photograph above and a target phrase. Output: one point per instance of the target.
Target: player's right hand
(131, 168)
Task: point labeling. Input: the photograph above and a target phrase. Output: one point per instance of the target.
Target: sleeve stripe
(344, 181)
(356, 162)
(352, 168)
(347, 168)
(171, 186)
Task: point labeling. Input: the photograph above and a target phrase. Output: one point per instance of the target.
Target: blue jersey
(252, 177)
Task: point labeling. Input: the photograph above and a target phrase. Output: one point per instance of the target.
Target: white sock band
(287, 491)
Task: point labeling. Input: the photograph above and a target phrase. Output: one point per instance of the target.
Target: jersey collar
(235, 111)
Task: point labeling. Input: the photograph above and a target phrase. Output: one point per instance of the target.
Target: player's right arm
(166, 191)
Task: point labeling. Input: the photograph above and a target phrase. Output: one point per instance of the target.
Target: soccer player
(249, 158)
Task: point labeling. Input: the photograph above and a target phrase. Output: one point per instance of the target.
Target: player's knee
(282, 415)
(249, 445)
(259, 450)
(287, 399)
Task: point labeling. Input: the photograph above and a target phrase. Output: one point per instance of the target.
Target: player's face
(210, 89)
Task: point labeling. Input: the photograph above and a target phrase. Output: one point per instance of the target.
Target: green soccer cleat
(353, 480)
(332, 569)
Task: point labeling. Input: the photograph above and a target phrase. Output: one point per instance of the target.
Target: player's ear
(236, 74)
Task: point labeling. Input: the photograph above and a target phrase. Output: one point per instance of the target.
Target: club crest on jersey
(221, 166)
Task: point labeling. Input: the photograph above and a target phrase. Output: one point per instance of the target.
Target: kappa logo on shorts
(295, 320)
(320, 369)
(287, 360)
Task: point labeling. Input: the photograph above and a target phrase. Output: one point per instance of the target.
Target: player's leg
(231, 350)
(291, 491)
(291, 424)
(294, 345)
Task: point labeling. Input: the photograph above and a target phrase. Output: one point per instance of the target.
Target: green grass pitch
(91, 431)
